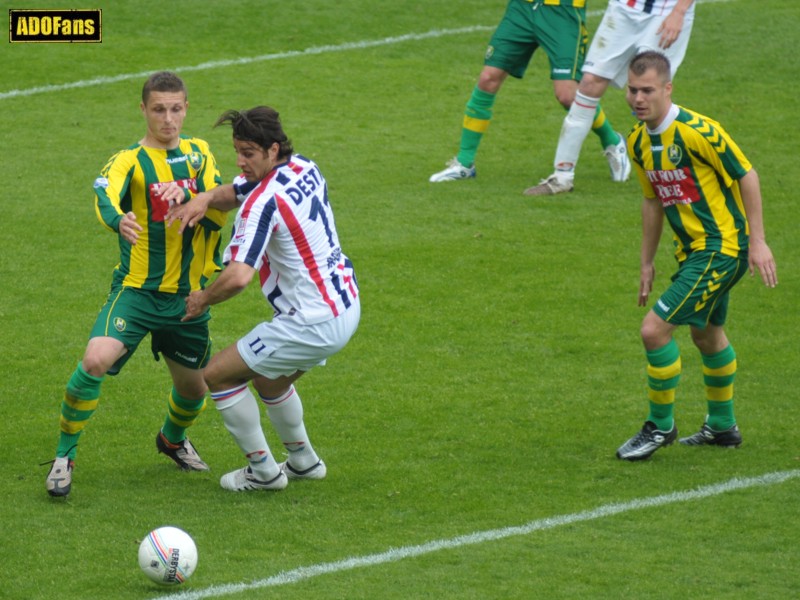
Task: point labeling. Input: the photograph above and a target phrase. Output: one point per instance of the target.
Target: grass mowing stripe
(408, 37)
(249, 59)
(396, 554)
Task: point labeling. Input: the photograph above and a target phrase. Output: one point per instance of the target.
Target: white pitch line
(396, 554)
(246, 60)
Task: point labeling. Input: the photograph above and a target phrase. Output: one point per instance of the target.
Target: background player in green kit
(559, 28)
(692, 172)
(158, 268)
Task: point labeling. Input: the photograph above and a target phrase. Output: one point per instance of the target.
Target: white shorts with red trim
(284, 346)
(623, 33)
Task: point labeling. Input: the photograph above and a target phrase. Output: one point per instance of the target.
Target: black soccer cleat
(728, 438)
(647, 441)
(184, 454)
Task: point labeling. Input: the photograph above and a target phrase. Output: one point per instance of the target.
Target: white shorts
(623, 33)
(283, 346)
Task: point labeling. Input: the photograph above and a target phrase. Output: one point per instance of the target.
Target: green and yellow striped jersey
(693, 166)
(574, 3)
(162, 260)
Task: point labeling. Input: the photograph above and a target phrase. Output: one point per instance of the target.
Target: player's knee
(217, 379)
(212, 378)
(653, 336)
(491, 79)
(709, 340)
(592, 85)
(192, 389)
(646, 331)
(96, 364)
(565, 98)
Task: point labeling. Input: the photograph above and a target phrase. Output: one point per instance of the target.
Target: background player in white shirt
(285, 233)
(628, 28)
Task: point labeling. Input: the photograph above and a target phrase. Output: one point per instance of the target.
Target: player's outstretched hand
(173, 193)
(760, 258)
(189, 213)
(129, 229)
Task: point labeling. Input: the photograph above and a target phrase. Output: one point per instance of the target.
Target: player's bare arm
(189, 213)
(759, 255)
(129, 229)
(173, 193)
(233, 279)
(672, 26)
(652, 224)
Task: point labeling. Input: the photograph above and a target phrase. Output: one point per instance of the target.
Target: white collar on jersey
(668, 120)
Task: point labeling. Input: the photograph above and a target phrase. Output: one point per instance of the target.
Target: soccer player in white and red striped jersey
(628, 28)
(285, 233)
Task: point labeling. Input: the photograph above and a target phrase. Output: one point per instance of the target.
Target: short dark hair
(651, 59)
(260, 125)
(163, 81)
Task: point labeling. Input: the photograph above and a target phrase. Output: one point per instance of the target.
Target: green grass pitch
(497, 366)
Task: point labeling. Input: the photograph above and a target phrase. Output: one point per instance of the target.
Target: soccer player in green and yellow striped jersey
(161, 260)
(158, 268)
(692, 172)
(558, 27)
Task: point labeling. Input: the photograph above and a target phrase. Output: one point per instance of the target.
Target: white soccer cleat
(454, 171)
(550, 187)
(243, 480)
(318, 471)
(618, 161)
(59, 479)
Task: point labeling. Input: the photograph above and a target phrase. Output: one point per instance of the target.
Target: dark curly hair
(260, 125)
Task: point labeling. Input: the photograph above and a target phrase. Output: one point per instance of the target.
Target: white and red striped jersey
(651, 7)
(285, 230)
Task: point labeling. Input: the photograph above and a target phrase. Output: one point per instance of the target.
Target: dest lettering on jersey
(673, 186)
(285, 230)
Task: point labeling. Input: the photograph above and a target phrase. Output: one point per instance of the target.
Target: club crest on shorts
(120, 324)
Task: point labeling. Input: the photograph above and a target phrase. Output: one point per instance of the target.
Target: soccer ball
(168, 555)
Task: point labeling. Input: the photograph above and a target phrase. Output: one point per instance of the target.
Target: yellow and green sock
(80, 402)
(663, 376)
(477, 116)
(602, 129)
(181, 414)
(719, 371)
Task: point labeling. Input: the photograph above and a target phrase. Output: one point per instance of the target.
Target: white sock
(286, 414)
(242, 418)
(576, 126)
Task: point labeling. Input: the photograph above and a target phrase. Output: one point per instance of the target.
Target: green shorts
(559, 30)
(699, 291)
(129, 314)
